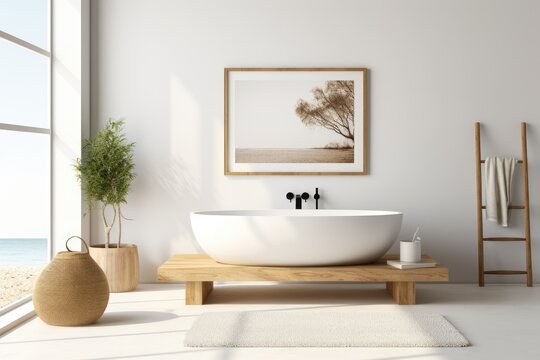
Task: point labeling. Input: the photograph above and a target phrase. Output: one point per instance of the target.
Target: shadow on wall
(174, 159)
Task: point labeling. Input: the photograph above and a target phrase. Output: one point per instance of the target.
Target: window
(25, 137)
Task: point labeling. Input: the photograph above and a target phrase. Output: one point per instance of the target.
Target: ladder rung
(519, 161)
(505, 272)
(510, 207)
(502, 238)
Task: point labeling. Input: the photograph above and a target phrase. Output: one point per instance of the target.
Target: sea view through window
(25, 136)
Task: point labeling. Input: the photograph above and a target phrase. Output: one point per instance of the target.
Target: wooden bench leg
(197, 291)
(403, 292)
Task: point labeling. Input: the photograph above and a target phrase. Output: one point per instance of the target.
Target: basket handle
(78, 237)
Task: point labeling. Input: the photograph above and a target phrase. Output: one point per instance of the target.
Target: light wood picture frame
(295, 121)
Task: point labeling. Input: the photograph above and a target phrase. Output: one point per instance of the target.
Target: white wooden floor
(501, 321)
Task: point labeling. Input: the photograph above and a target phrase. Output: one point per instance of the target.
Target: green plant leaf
(106, 169)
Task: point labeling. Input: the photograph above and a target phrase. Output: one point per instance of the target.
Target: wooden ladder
(525, 207)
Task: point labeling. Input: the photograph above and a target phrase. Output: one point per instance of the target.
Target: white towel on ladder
(499, 175)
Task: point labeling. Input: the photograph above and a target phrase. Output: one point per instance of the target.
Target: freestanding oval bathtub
(296, 237)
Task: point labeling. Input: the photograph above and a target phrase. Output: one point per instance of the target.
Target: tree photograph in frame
(295, 121)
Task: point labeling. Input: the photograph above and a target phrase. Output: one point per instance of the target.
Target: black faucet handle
(305, 196)
(290, 196)
(316, 196)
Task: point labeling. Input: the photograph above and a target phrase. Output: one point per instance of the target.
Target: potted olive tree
(106, 171)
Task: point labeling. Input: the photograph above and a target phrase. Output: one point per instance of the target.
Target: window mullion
(24, 44)
(22, 128)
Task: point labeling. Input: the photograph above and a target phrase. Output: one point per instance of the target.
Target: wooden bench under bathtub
(199, 272)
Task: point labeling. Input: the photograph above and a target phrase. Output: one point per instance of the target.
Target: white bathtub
(296, 237)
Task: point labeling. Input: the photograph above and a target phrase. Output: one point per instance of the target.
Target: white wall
(435, 68)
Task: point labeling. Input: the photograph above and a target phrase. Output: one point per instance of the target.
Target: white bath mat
(323, 329)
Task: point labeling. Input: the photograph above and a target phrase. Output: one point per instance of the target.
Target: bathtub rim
(297, 213)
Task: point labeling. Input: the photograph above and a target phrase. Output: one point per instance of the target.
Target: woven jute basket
(72, 290)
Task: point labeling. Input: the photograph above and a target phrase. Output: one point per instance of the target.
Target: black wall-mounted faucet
(299, 199)
(316, 197)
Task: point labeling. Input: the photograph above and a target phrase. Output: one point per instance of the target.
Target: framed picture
(295, 121)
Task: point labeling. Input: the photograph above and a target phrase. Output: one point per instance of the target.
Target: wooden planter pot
(120, 265)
